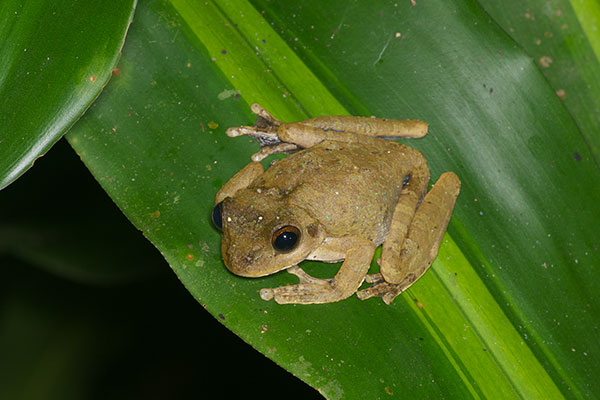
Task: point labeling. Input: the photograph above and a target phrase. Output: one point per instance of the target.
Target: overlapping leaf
(55, 58)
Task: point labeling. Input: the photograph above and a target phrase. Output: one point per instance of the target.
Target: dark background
(89, 309)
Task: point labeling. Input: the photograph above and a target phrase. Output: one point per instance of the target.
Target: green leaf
(509, 307)
(55, 58)
(563, 38)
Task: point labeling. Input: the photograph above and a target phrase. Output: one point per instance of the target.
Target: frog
(345, 188)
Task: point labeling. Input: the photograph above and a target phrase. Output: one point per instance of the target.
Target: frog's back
(351, 189)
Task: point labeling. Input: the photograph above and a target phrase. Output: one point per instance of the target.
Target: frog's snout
(242, 264)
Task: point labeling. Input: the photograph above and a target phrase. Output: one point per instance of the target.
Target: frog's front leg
(358, 253)
(240, 180)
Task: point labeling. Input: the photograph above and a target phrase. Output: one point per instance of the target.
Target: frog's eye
(285, 238)
(217, 216)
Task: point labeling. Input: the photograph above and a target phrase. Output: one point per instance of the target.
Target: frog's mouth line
(248, 266)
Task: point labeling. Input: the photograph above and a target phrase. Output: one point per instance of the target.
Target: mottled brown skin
(346, 191)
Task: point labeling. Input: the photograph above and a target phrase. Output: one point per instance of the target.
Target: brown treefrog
(342, 192)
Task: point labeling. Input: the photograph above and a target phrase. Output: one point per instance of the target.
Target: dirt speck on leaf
(545, 61)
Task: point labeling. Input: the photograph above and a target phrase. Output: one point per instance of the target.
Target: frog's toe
(239, 131)
(266, 294)
(376, 290)
(391, 294)
(267, 150)
(264, 114)
(387, 291)
(306, 278)
(374, 278)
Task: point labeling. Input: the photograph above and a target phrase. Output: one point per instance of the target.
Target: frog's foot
(310, 290)
(264, 131)
(380, 288)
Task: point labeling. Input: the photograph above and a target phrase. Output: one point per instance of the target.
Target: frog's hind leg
(349, 129)
(369, 126)
(275, 136)
(400, 270)
(411, 196)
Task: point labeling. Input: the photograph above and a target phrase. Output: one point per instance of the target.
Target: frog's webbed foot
(381, 288)
(264, 131)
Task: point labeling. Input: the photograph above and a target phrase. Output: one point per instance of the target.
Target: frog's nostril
(243, 264)
(246, 260)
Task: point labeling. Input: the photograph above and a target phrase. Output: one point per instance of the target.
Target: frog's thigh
(358, 255)
(239, 181)
(424, 234)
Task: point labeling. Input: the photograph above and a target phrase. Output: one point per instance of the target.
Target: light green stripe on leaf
(588, 14)
(491, 349)
(258, 52)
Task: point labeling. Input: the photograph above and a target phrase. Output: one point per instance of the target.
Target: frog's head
(262, 234)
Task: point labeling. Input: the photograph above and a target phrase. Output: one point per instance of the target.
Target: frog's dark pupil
(285, 241)
(217, 217)
(406, 179)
